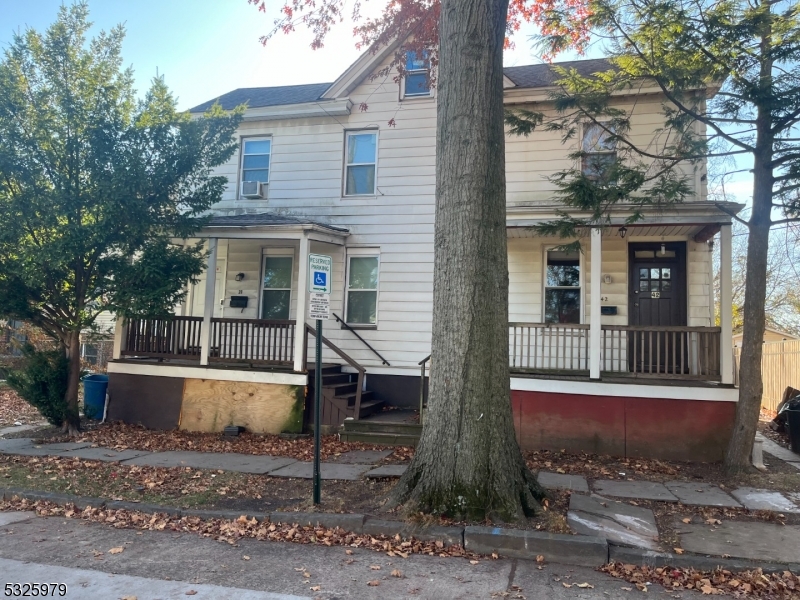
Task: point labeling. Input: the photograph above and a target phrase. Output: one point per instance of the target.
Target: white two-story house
(612, 350)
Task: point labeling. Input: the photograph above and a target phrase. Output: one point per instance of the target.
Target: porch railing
(679, 352)
(549, 346)
(246, 340)
(268, 341)
(171, 337)
(638, 351)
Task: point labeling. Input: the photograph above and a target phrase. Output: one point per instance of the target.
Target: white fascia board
(293, 232)
(625, 390)
(189, 372)
(328, 108)
(355, 73)
(700, 212)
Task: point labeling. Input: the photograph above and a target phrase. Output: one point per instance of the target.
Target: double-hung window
(362, 289)
(276, 293)
(562, 292)
(361, 163)
(255, 159)
(417, 80)
(599, 150)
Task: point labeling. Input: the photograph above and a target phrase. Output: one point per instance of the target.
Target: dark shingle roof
(528, 76)
(257, 219)
(533, 76)
(267, 96)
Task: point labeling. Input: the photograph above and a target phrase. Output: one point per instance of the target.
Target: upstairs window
(362, 155)
(416, 80)
(362, 290)
(562, 292)
(255, 160)
(599, 152)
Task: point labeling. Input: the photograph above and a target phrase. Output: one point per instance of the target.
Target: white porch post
(594, 303)
(208, 306)
(726, 304)
(302, 302)
(120, 332)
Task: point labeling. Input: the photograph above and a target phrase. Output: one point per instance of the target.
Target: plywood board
(210, 405)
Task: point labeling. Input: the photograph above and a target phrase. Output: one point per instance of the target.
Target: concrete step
(385, 439)
(376, 426)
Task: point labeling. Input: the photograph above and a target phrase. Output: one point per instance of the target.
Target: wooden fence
(780, 368)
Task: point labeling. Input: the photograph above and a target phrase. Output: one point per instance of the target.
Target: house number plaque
(655, 294)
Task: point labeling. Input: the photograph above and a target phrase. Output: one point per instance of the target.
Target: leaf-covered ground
(14, 409)
(744, 584)
(121, 436)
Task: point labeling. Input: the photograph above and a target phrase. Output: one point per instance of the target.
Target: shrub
(42, 381)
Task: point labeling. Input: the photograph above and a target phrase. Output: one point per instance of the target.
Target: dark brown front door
(657, 300)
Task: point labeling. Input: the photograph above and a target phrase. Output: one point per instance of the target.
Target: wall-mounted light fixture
(622, 231)
(606, 278)
(239, 276)
(663, 250)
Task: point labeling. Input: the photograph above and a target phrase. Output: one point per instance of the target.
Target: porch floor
(611, 377)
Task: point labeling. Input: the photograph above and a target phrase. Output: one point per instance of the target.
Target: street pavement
(166, 565)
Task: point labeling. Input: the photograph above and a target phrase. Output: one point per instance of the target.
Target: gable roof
(266, 219)
(267, 96)
(528, 76)
(544, 75)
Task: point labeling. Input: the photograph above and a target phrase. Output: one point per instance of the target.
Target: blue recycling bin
(94, 395)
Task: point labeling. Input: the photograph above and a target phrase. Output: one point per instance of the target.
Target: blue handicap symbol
(320, 278)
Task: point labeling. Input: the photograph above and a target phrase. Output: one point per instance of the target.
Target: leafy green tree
(95, 185)
(744, 52)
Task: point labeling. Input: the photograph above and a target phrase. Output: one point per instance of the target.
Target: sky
(205, 48)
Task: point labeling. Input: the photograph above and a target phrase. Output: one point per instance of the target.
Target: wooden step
(327, 369)
(342, 387)
(369, 407)
(333, 378)
(350, 397)
(375, 426)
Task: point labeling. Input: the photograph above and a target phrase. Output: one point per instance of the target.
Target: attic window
(417, 75)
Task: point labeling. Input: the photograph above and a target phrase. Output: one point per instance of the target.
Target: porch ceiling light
(239, 276)
(622, 231)
(663, 250)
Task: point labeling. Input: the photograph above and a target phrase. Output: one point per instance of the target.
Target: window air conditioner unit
(254, 189)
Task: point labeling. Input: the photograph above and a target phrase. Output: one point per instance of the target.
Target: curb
(578, 550)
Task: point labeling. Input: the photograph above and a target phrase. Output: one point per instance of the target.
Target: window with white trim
(362, 289)
(276, 284)
(562, 286)
(361, 163)
(255, 159)
(417, 80)
(599, 151)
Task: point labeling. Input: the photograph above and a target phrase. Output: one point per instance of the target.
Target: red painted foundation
(691, 430)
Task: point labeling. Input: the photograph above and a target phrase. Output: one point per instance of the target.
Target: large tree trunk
(72, 420)
(468, 463)
(740, 447)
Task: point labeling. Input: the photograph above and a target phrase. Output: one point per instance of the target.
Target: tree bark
(751, 386)
(468, 463)
(72, 420)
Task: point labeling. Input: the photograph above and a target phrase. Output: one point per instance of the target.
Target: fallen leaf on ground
(315, 588)
(474, 562)
(585, 586)
(374, 582)
(375, 567)
(540, 558)
(397, 573)
(245, 557)
(191, 593)
(687, 520)
(116, 550)
(678, 550)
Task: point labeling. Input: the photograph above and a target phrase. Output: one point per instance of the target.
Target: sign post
(319, 284)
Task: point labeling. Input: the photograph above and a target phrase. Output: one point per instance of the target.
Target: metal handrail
(365, 342)
(361, 370)
(422, 364)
